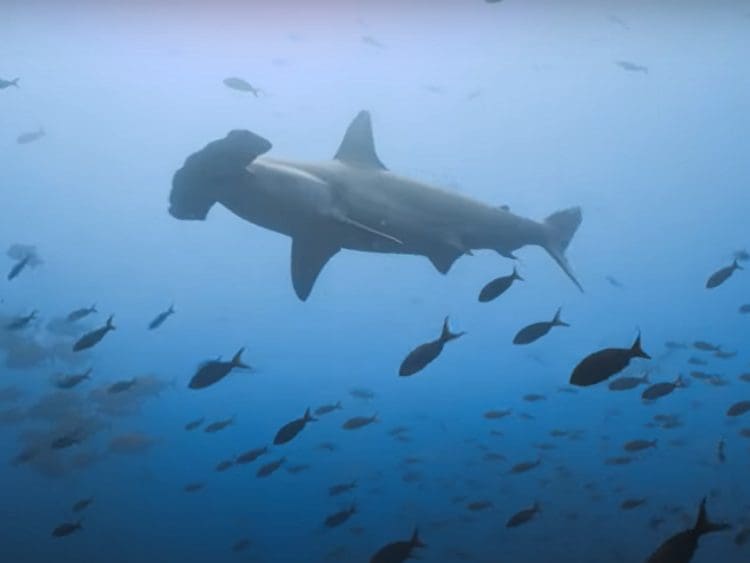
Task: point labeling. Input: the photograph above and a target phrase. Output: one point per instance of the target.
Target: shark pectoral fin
(357, 148)
(444, 258)
(310, 253)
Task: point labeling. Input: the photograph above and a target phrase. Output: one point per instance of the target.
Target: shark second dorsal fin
(310, 253)
(357, 148)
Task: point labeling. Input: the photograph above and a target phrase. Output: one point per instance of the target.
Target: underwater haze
(508, 436)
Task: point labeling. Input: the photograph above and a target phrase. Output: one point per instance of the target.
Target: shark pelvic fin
(310, 253)
(357, 148)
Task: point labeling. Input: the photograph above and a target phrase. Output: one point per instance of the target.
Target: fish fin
(561, 227)
(636, 351)
(444, 257)
(446, 335)
(109, 324)
(310, 253)
(415, 541)
(736, 265)
(357, 147)
(237, 360)
(703, 525)
(557, 321)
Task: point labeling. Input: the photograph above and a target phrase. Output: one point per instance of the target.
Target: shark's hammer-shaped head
(207, 173)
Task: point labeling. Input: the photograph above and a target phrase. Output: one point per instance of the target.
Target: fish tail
(237, 360)
(415, 540)
(109, 325)
(560, 229)
(736, 265)
(447, 335)
(308, 417)
(515, 275)
(636, 351)
(703, 524)
(15, 82)
(557, 321)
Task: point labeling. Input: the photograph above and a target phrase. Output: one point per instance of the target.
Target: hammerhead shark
(353, 201)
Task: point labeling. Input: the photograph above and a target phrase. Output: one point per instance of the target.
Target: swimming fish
(287, 432)
(739, 408)
(744, 309)
(722, 275)
(218, 425)
(193, 424)
(160, 318)
(398, 551)
(70, 381)
(535, 331)
(340, 517)
(18, 267)
(122, 386)
(325, 409)
(251, 455)
(658, 390)
(639, 445)
(82, 504)
(21, 322)
(602, 365)
(681, 547)
(498, 286)
(523, 516)
(269, 468)
(8, 83)
(30, 137)
(628, 382)
(422, 355)
(82, 313)
(632, 67)
(67, 528)
(213, 371)
(92, 338)
(241, 85)
(341, 488)
(359, 421)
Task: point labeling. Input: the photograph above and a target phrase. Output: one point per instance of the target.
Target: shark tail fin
(561, 227)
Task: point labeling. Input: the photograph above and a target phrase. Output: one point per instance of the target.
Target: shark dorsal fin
(357, 148)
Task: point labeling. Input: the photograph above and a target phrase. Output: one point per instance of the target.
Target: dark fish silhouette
(21, 322)
(744, 309)
(614, 282)
(523, 516)
(326, 409)
(422, 355)
(70, 381)
(82, 504)
(372, 41)
(218, 425)
(658, 390)
(720, 276)
(193, 487)
(65, 441)
(160, 318)
(67, 528)
(341, 488)
(122, 386)
(193, 424)
(92, 338)
(18, 267)
(535, 331)
(704, 346)
(632, 67)
(30, 137)
(251, 455)
(215, 370)
(241, 85)
(398, 551)
(82, 313)
(359, 421)
(287, 432)
(739, 408)
(602, 365)
(626, 382)
(270, 468)
(8, 83)
(681, 547)
(639, 445)
(340, 517)
(498, 286)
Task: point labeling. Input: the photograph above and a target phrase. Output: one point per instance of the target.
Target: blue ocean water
(511, 103)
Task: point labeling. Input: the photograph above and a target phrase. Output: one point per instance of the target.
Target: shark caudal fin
(561, 227)
(703, 524)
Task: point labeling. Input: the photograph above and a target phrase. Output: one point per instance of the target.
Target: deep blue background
(657, 161)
